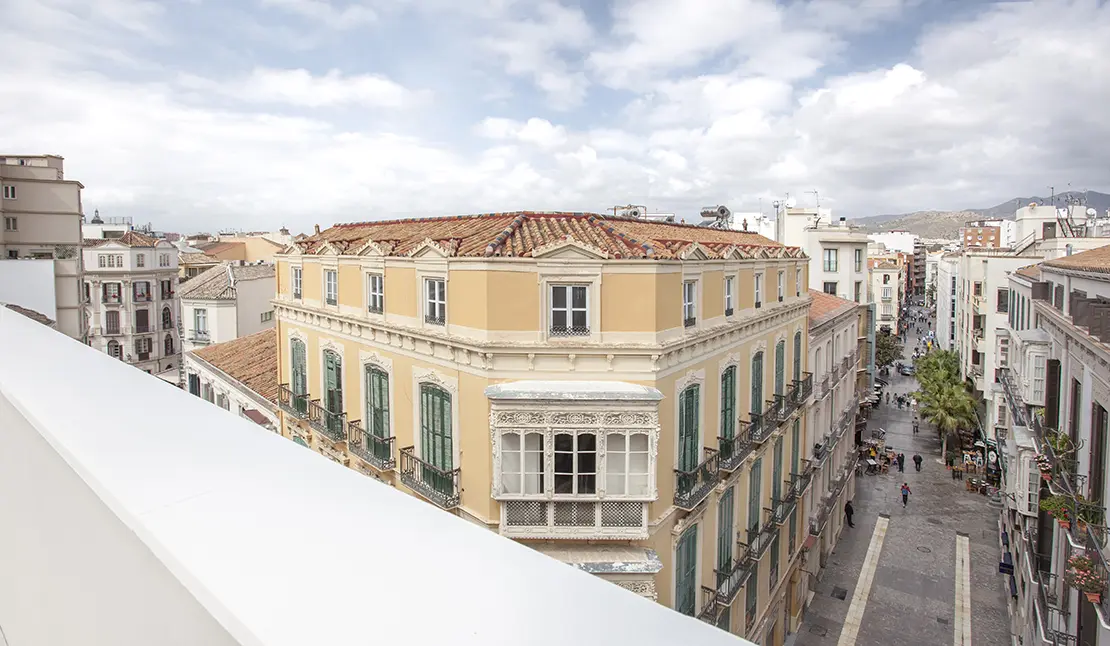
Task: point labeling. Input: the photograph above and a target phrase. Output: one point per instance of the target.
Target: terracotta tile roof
(215, 284)
(1094, 260)
(31, 314)
(192, 258)
(129, 239)
(522, 233)
(1032, 272)
(825, 307)
(218, 247)
(250, 360)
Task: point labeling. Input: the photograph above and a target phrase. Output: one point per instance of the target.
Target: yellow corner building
(624, 395)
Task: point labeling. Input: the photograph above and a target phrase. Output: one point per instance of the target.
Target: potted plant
(1083, 575)
(1059, 508)
(1087, 512)
(1044, 465)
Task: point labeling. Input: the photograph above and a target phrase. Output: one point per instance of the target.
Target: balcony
(292, 403)
(432, 319)
(976, 370)
(689, 321)
(692, 487)
(374, 450)
(167, 325)
(820, 452)
(775, 412)
(733, 450)
(439, 486)
(760, 537)
(143, 328)
(803, 388)
(331, 424)
(141, 298)
(781, 509)
(820, 516)
(711, 612)
(1094, 551)
(758, 428)
(732, 579)
(200, 337)
(113, 331)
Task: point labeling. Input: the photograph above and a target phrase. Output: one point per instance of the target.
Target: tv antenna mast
(816, 197)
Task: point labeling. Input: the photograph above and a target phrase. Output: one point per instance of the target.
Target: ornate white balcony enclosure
(204, 528)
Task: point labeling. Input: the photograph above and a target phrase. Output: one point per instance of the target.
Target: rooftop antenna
(816, 197)
(721, 216)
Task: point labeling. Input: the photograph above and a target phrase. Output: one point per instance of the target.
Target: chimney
(317, 229)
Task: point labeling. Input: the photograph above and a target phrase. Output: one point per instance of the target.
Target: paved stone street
(915, 588)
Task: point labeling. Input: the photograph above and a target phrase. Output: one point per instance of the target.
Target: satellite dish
(633, 213)
(1091, 211)
(791, 202)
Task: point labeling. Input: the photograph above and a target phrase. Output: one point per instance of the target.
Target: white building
(932, 259)
(40, 214)
(948, 288)
(238, 375)
(147, 516)
(112, 227)
(130, 295)
(837, 251)
(835, 359)
(1056, 394)
(899, 241)
(886, 290)
(226, 302)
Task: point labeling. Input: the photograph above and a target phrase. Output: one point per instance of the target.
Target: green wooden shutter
(776, 472)
(333, 395)
(757, 383)
(685, 574)
(755, 478)
(725, 508)
(795, 438)
(728, 403)
(435, 427)
(300, 376)
(688, 428)
(780, 367)
(798, 356)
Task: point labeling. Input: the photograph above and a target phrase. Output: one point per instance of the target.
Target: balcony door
(776, 473)
(299, 376)
(780, 368)
(686, 559)
(167, 318)
(142, 320)
(798, 356)
(111, 322)
(333, 390)
(377, 410)
(688, 428)
(755, 481)
(1097, 458)
(728, 403)
(757, 384)
(436, 442)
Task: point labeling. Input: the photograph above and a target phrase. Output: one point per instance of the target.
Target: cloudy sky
(197, 114)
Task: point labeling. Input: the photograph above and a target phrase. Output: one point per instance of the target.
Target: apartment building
(108, 228)
(983, 236)
(886, 289)
(41, 214)
(918, 269)
(1056, 388)
(835, 355)
(626, 396)
(838, 250)
(948, 290)
(227, 301)
(131, 302)
(238, 376)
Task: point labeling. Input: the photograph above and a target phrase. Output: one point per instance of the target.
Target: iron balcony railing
(378, 451)
(689, 321)
(291, 402)
(820, 516)
(199, 336)
(113, 331)
(781, 508)
(440, 486)
(775, 413)
(820, 452)
(733, 450)
(760, 537)
(735, 574)
(758, 428)
(331, 424)
(790, 399)
(803, 388)
(1094, 552)
(692, 487)
(710, 611)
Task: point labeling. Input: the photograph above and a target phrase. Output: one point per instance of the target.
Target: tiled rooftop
(213, 283)
(1094, 260)
(193, 258)
(250, 360)
(218, 247)
(522, 233)
(129, 239)
(825, 307)
(1032, 272)
(31, 314)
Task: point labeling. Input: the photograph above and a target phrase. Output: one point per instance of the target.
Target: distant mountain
(946, 224)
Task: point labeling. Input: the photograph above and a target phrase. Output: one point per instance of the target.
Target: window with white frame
(886, 292)
(522, 463)
(689, 302)
(200, 320)
(1032, 493)
(267, 316)
(830, 260)
(782, 285)
(435, 301)
(573, 467)
(575, 463)
(163, 260)
(111, 292)
(759, 290)
(375, 293)
(729, 282)
(570, 311)
(331, 287)
(9, 192)
(101, 260)
(797, 282)
(859, 260)
(1003, 352)
(1038, 377)
(140, 260)
(296, 282)
(11, 223)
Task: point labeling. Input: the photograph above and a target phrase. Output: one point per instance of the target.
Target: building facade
(228, 301)
(886, 290)
(1056, 388)
(41, 215)
(627, 396)
(131, 302)
(837, 250)
(948, 289)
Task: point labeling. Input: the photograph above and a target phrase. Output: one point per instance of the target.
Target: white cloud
(539, 132)
(329, 14)
(300, 88)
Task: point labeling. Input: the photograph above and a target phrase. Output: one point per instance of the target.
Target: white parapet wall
(123, 525)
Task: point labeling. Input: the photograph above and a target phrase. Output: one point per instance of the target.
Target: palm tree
(945, 401)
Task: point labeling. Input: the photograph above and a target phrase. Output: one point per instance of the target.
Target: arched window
(688, 428)
(780, 367)
(299, 375)
(114, 350)
(167, 319)
(757, 384)
(333, 391)
(436, 441)
(377, 412)
(797, 356)
(728, 403)
(167, 345)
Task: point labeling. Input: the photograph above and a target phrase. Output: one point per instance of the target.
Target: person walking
(848, 511)
(905, 493)
(917, 459)
(901, 462)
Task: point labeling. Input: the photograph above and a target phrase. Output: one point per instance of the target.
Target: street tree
(887, 350)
